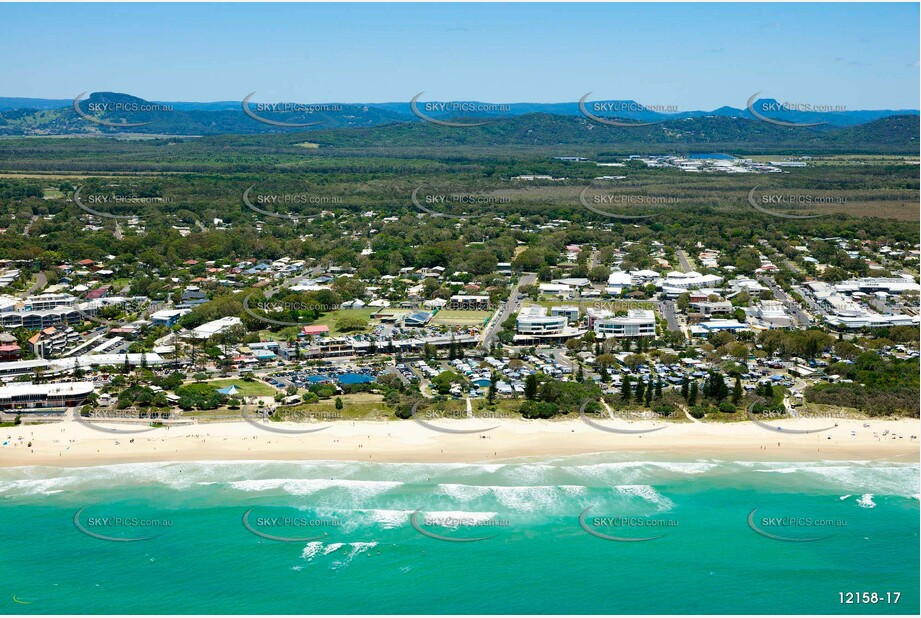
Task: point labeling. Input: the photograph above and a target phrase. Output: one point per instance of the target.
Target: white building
(535, 321)
(571, 312)
(217, 326)
(637, 323)
(771, 313)
(26, 396)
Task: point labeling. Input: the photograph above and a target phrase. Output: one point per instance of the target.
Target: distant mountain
(112, 113)
(7, 103)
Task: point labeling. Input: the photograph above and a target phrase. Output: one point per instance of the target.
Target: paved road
(667, 309)
(683, 261)
(511, 307)
(25, 231)
(792, 306)
(40, 282)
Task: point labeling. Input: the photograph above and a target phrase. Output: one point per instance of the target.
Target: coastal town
(289, 337)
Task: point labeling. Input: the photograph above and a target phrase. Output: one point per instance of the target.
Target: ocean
(583, 535)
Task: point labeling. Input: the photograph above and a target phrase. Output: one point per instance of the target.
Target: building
(43, 302)
(868, 285)
(535, 321)
(50, 342)
(34, 320)
(771, 313)
(710, 308)
(315, 330)
(9, 348)
(167, 317)
(27, 397)
(637, 323)
(556, 289)
(10, 352)
(417, 319)
(570, 312)
(470, 303)
(715, 326)
(618, 281)
(213, 328)
(676, 283)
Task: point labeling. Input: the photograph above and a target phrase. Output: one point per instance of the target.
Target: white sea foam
(866, 501)
(358, 490)
(647, 493)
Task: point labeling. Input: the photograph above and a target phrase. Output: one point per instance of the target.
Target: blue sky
(694, 56)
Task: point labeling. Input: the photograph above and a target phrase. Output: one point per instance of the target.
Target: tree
(625, 389)
(737, 391)
(491, 395)
(580, 374)
(530, 387)
(692, 396)
(640, 388)
(684, 388)
(659, 388)
(604, 374)
(339, 405)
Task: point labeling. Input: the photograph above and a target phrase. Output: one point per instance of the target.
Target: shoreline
(72, 444)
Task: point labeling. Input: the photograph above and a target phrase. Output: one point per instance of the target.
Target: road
(667, 309)
(510, 307)
(40, 282)
(792, 306)
(25, 231)
(683, 261)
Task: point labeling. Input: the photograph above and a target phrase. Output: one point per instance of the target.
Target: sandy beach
(70, 443)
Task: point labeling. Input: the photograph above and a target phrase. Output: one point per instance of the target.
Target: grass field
(330, 319)
(365, 406)
(450, 317)
(255, 388)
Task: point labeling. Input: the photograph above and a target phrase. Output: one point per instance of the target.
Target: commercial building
(470, 303)
(637, 323)
(25, 397)
(213, 328)
(570, 312)
(535, 321)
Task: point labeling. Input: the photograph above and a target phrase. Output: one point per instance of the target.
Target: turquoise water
(535, 556)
